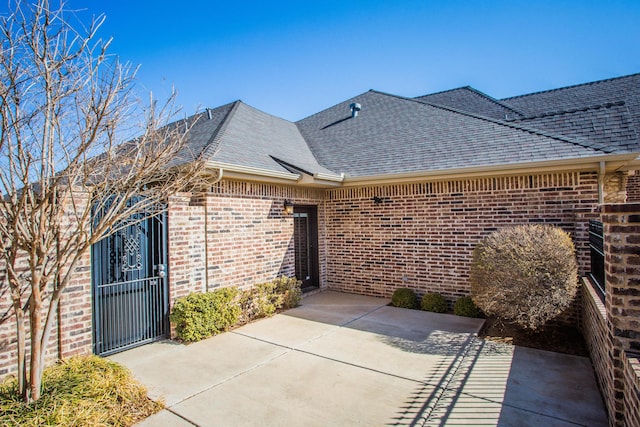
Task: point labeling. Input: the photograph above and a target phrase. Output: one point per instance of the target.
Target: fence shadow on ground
(469, 389)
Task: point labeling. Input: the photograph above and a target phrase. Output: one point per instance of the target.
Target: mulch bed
(558, 338)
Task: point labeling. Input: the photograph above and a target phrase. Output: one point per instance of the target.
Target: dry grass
(82, 391)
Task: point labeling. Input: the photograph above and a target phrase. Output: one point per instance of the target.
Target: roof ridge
(495, 101)
(571, 86)
(498, 122)
(333, 106)
(217, 134)
(444, 91)
(477, 92)
(264, 112)
(573, 110)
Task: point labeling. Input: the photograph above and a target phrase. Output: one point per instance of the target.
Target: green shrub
(264, 299)
(525, 274)
(290, 289)
(433, 302)
(465, 306)
(404, 298)
(80, 391)
(201, 315)
(261, 300)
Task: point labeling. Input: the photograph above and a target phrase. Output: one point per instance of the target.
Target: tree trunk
(35, 329)
(35, 367)
(21, 348)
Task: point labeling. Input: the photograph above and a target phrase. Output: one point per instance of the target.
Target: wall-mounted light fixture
(288, 207)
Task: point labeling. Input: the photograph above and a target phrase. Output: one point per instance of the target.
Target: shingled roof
(607, 127)
(394, 135)
(453, 131)
(238, 134)
(473, 101)
(613, 105)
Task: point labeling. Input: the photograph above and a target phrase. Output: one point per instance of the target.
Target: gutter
(266, 175)
(328, 177)
(612, 162)
(230, 169)
(601, 164)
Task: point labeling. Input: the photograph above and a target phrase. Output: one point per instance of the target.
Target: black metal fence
(596, 244)
(130, 289)
(128, 314)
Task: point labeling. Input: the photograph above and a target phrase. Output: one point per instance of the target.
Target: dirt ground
(561, 339)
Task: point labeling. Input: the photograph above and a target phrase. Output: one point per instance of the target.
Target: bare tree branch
(64, 103)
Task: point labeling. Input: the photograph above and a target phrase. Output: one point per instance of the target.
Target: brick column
(622, 261)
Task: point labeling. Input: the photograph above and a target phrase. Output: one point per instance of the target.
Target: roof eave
(233, 171)
(613, 162)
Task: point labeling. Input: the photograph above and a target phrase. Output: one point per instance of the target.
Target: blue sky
(295, 58)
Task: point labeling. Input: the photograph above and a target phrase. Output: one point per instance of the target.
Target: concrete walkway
(344, 360)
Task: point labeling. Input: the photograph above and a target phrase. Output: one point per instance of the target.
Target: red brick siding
(633, 187)
(622, 260)
(249, 238)
(75, 328)
(422, 235)
(70, 336)
(631, 363)
(186, 245)
(596, 334)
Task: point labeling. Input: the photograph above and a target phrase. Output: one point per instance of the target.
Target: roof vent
(355, 107)
(209, 113)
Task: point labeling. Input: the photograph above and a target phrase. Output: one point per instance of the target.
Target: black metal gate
(130, 289)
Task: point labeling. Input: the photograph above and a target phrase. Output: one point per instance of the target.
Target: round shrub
(404, 298)
(465, 306)
(433, 302)
(289, 287)
(200, 315)
(526, 274)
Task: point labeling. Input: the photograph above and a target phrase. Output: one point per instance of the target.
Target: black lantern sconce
(379, 200)
(288, 207)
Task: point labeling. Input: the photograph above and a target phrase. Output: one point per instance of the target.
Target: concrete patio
(342, 359)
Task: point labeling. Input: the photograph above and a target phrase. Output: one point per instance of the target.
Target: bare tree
(64, 106)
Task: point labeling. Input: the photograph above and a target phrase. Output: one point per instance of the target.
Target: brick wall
(595, 330)
(633, 187)
(186, 244)
(237, 234)
(615, 187)
(631, 363)
(422, 235)
(72, 335)
(622, 265)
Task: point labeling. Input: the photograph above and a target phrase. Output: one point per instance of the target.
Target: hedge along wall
(237, 234)
(422, 235)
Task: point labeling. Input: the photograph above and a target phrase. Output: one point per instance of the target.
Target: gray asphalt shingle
(588, 97)
(398, 135)
(455, 129)
(241, 135)
(608, 127)
(473, 101)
